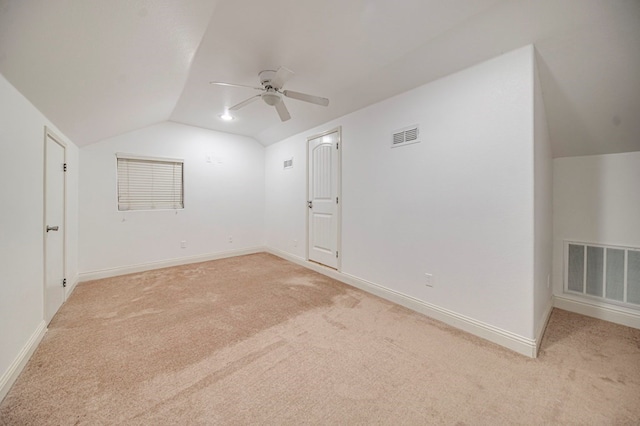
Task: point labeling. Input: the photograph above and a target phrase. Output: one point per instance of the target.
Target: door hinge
(64, 282)
(337, 145)
(64, 167)
(336, 200)
(336, 254)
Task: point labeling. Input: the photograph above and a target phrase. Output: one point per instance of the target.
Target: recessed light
(226, 116)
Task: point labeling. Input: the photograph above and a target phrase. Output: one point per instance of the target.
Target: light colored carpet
(258, 340)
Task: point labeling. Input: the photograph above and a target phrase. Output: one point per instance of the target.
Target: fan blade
(307, 98)
(244, 103)
(219, 83)
(283, 112)
(282, 75)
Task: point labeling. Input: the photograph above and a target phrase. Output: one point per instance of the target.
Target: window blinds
(147, 184)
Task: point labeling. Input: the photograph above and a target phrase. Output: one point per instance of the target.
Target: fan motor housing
(266, 76)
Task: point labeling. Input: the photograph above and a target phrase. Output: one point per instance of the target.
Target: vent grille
(398, 138)
(405, 136)
(411, 135)
(288, 164)
(606, 272)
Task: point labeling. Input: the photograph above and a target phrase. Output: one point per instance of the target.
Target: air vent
(288, 164)
(405, 136)
(398, 138)
(608, 273)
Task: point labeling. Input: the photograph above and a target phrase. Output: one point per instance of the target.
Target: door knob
(52, 228)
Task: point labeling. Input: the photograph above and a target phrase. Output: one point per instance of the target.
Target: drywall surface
(224, 198)
(21, 218)
(286, 196)
(595, 200)
(73, 185)
(543, 212)
(458, 205)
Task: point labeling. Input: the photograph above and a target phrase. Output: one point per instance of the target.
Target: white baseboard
(516, 343)
(70, 287)
(598, 310)
(543, 326)
(10, 376)
(141, 267)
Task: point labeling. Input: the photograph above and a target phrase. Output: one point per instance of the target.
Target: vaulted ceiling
(101, 68)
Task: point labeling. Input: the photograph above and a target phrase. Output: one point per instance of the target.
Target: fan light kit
(226, 116)
(272, 93)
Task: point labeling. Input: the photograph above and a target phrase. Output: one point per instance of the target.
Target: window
(149, 183)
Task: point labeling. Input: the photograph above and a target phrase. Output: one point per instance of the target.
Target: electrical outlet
(230, 238)
(183, 244)
(428, 279)
(295, 243)
(208, 158)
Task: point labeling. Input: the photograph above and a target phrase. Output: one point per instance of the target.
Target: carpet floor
(258, 340)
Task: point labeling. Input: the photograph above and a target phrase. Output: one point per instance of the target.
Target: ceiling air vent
(405, 136)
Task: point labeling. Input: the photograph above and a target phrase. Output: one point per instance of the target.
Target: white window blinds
(149, 183)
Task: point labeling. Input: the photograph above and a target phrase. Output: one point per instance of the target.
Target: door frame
(339, 195)
(48, 133)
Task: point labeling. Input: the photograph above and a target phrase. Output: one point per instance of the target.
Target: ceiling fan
(272, 93)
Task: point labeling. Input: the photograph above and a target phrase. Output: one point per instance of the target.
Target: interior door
(323, 199)
(54, 226)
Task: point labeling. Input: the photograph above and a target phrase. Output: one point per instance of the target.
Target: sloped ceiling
(100, 68)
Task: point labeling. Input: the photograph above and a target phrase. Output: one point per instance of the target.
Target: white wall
(543, 221)
(224, 198)
(596, 199)
(21, 223)
(286, 195)
(458, 205)
(73, 176)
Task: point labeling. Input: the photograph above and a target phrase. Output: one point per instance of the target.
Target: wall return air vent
(288, 164)
(605, 272)
(405, 136)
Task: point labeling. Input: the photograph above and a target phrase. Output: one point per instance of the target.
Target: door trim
(339, 195)
(48, 133)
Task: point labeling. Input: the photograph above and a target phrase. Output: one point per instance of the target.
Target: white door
(53, 227)
(323, 199)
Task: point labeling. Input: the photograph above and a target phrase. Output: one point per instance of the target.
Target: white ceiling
(101, 68)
